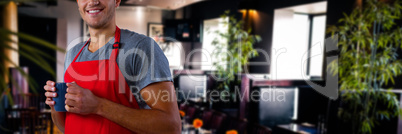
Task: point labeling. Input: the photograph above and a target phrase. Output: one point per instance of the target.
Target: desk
(294, 129)
(189, 129)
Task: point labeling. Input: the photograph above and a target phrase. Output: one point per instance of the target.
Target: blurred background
(277, 46)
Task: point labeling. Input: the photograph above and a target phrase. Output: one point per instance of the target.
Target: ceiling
(312, 8)
(163, 4)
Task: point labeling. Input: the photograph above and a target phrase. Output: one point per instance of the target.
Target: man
(118, 81)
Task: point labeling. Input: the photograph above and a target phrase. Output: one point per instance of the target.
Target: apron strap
(80, 50)
(116, 45)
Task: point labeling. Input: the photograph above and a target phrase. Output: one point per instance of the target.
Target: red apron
(104, 79)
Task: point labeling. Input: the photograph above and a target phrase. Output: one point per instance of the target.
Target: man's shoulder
(134, 37)
(72, 51)
(131, 36)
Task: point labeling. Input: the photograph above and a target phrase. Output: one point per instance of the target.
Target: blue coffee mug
(60, 99)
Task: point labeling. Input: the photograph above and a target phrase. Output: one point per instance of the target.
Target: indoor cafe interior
(237, 66)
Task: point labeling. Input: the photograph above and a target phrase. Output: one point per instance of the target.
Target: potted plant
(234, 48)
(369, 39)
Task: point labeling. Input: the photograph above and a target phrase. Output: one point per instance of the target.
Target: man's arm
(163, 117)
(57, 117)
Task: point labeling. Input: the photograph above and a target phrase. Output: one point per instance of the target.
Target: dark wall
(43, 28)
(211, 9)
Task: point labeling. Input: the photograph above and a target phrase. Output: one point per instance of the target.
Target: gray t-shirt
(140, 60)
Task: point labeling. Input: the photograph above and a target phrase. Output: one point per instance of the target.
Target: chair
(191, 113)
(20, 120)
(217, 120)
(259, 129)
(206, 118)
(183, 106)
(27, 121)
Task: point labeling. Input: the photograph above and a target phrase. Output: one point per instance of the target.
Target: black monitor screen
(277, 106)
(192, 87)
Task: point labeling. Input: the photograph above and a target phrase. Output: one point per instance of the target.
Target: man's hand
(80, 100)
(49, 87)
(57, 117)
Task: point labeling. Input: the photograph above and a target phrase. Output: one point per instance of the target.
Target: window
(297, 46)
(210, 26)
(317, 33)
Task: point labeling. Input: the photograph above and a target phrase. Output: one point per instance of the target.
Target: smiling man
(118, 81)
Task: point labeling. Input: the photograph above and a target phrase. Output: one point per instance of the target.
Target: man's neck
(100, 36)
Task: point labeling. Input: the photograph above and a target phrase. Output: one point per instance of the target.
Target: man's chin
(95, 26)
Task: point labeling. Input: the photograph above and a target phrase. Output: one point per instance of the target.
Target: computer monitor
(277, 105)
(192, 87)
